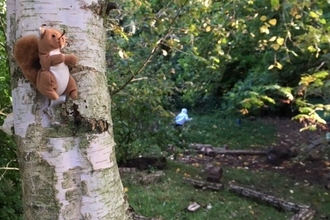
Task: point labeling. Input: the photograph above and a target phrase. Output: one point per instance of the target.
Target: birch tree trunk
(66, 153)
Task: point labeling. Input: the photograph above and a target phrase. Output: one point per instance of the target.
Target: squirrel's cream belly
(61, 73)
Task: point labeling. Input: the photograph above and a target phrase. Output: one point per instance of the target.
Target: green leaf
(215, 59)
(306, 110)
(275, 4)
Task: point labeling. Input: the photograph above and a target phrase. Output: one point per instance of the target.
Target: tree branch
(151, 54)
(9, 168)
(6, 168)
(138, 79)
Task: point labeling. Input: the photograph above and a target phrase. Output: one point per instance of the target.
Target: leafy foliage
(10, 187)
(5, 98)
(292, 43)
(245, 57)
(234, 57)
(141, 84)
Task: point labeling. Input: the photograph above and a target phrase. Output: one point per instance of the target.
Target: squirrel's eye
(53, 36)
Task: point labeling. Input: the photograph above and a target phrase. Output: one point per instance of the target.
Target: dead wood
(199, 146)
(203, 184)
(214, 174)
(145, 163)
(303, 212)
(317, 143)
(277, 155)
(150, 178)
(314, 151)
(209, 150)
(123, 170)
(140, 217)
(135, 216)
(237, 152)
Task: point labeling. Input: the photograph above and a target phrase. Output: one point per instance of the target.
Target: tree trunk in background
(66, 153)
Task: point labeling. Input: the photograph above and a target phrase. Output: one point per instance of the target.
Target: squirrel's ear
(42, 32)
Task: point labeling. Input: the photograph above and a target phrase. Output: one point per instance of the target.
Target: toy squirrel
(44, 65)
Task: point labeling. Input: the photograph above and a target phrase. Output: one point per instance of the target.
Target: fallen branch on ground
(203, 184)
(150, 178)
(303, 212)
(123, 170)
(238, 152)
(140, 217)
(199, 146)
(317, 143)
(135, 216)
(209, 150)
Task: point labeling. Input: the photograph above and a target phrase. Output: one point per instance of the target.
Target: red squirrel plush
(44, 65)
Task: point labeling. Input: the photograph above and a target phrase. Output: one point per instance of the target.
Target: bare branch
(9, 168)
(2, 113)
(138, 79)
(6, 168)
(142, 67)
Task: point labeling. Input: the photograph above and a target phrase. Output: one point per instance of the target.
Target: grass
(169, 198)
(220, 130)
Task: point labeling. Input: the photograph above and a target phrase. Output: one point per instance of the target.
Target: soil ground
(314, 171)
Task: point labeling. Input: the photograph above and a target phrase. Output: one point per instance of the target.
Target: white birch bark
(66, 153)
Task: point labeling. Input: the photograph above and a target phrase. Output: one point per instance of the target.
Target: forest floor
(298, 179)
(310, 171)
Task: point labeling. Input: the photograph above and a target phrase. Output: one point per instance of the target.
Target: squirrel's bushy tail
(27, 57)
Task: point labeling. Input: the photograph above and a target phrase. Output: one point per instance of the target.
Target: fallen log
(150, 178)
(303, 212)
(203, 184)
(271, 200)
(209, 150)
(315, 143)
(214, 152)
(145, 163)
(237, 152)
(123, 170)
(199, 146)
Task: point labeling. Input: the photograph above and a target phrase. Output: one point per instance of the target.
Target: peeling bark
(66, 153)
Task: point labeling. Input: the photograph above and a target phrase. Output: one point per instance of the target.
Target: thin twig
(9, 168)
(6, 168)
(138, 79)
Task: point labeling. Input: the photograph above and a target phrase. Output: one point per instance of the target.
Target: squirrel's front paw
(71, 59)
